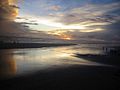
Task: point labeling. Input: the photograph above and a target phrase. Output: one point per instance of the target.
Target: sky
(96, 20)
(86, 15)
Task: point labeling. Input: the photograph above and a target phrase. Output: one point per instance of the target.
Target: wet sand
(74, 77)
(69, 78)
(103, 59)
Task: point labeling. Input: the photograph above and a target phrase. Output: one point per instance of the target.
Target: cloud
(114, 28)
(111, 34)
(55, 8)
(8, 9)
(94, 17)
(9, 28)
(91, 15)
(101, 22)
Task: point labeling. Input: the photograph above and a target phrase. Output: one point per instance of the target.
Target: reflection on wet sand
(7, 63)
(25, 61)
(57, 68)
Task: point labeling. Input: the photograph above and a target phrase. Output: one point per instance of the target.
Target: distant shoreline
(31, 45)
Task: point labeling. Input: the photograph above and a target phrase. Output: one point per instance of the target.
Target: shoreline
(104, 59)
(31, 45)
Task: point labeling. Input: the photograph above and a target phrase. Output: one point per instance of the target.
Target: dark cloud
(30, 23)
(113, 28)
(8, 12)
(12, 29)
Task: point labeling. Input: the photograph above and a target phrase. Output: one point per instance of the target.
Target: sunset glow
(66, 37)
(48, 22)
(61, 35)
(64, 19)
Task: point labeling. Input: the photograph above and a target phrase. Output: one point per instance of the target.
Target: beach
(59, 44)
(58, 68)
(71, 78)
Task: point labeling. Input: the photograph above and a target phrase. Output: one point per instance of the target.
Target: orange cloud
(8, 9)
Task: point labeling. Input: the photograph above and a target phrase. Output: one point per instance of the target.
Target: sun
(68, 38)
(65, 37)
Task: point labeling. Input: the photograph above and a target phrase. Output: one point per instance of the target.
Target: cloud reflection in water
(33, 60)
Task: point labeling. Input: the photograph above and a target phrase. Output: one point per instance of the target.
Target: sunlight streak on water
(32, 60)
